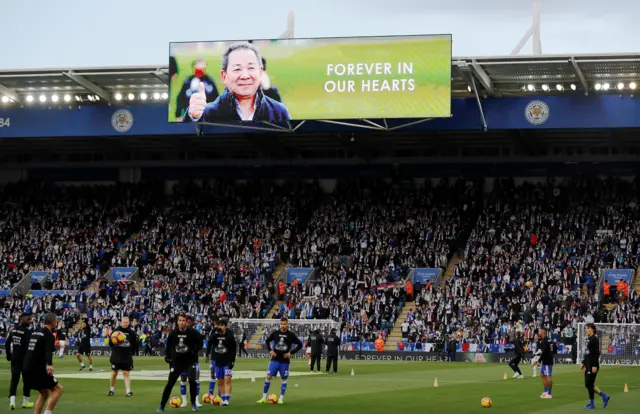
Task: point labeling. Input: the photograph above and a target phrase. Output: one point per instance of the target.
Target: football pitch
(376, 387)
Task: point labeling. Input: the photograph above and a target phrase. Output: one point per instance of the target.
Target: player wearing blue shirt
(281, 344)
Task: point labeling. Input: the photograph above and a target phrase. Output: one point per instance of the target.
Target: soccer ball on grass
(272, 399)
(486, 402)
(217, 400)
(118, 338)
(175, 402)
(207, 398)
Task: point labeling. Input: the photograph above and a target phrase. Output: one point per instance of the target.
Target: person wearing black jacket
(518, 348)
(184, 375)
(122, 357)
(222, 344)
(242, 343)
(315, 341)
(333, 346)
(38, 372)
(84, 347)
(451, 348)
(16, 348)
(183, 345)
(549, 350)
(591, 366)
(212, 363)
(243, 98)
(61, 338)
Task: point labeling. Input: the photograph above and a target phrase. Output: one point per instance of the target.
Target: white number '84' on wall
(5, 122)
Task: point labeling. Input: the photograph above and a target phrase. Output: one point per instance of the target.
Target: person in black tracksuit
(591, 366)
(315, 341)
(519, 350)
(333, 346)
(84, 347)
(183, 345)
(451, 348)
(122, 357)
(37, 371)
(241, 344)
(61, 338)
(16, 348)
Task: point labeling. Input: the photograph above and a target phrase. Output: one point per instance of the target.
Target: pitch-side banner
(364, 356)
(311, 79)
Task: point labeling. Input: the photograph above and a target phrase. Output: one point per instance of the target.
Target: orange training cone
(626, 387)
(505, 375)
(435, 383)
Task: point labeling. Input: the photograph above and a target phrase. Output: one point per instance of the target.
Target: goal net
(256, 331)
(619, 343)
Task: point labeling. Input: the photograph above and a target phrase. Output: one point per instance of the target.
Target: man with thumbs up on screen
(242, 99)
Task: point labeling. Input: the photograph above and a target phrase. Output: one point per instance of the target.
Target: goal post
(619, 343)
(256, 331)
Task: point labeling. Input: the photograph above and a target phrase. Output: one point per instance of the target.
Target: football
(217, 400)
(207, 398)
(486, 402)
(175, 402)
(118, 338)
(272, 399)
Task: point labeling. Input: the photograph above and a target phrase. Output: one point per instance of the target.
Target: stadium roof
(494, 76)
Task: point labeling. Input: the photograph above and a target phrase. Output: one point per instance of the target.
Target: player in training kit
(183, 345)
(84, 339)
(38, 371)
(223, 345)
(212, 363)
(591, 366)
(281, 344)
(536, 349)
(16, 347)
(61, 337)
(519, 350)
(549, 350)
(122, 357)
(185, 374)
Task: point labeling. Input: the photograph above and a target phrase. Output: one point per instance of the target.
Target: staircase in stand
(395, 336)
(451, 267)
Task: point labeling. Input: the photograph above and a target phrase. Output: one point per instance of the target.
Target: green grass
(377, 387)
(299, 72)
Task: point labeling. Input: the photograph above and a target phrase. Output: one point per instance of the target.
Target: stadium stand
(533, 259)
(535, 256)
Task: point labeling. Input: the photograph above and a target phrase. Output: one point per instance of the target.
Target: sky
(81, 33)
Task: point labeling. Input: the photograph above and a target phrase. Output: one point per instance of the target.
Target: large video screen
(311, 79)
